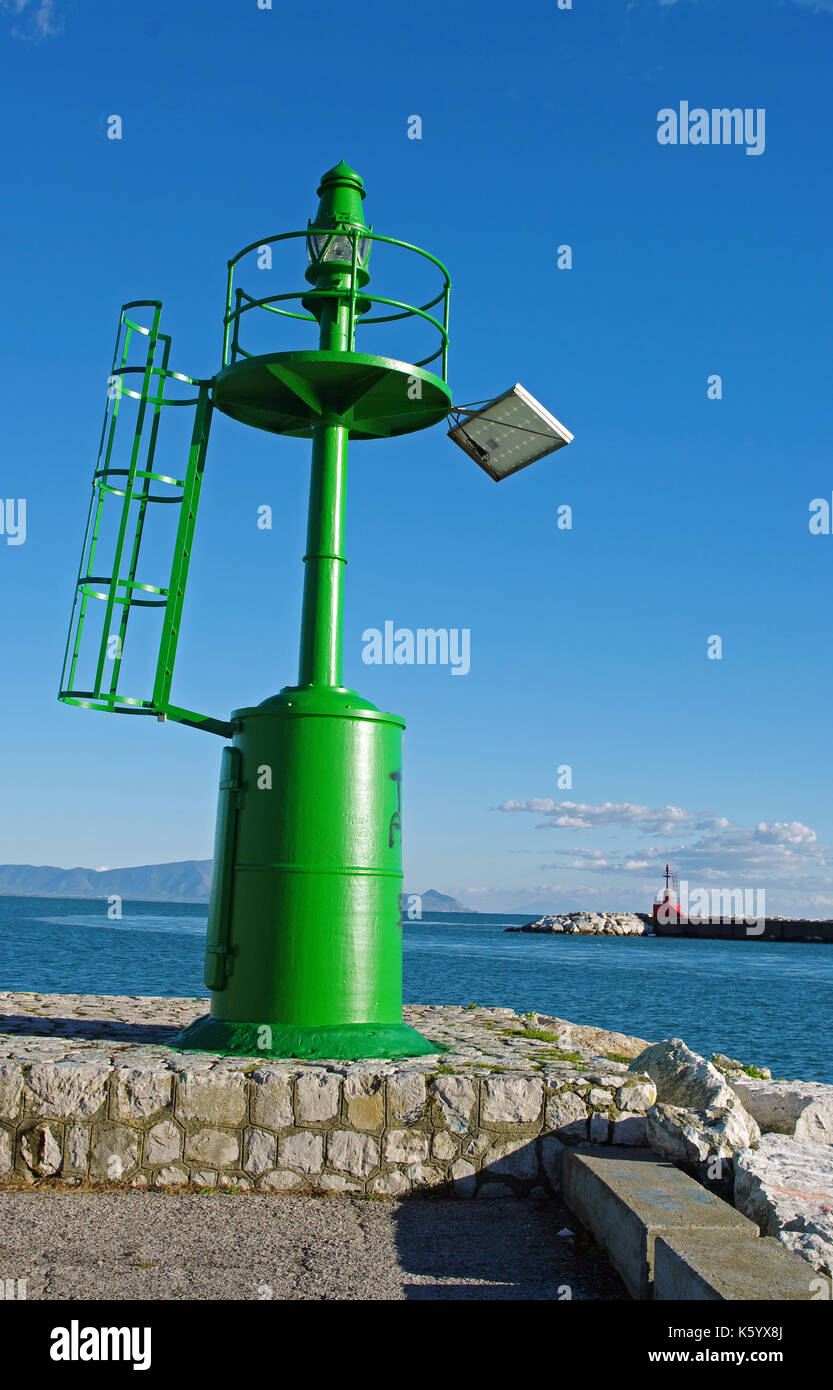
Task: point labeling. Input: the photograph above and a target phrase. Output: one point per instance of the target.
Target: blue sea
(770, 1003)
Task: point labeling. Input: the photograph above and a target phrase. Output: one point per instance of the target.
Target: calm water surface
(764, 1002)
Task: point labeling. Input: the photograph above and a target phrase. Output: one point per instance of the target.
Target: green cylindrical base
(344, 1043)
(304, 932)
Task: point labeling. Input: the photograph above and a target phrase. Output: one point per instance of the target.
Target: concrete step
(698, 1265)
(628, 1199)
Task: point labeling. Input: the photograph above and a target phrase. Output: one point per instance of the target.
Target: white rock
(357, 1154)
(636, 1096)
(281, 1181)
(304, 1152)
(630, 1129)
(141, 1091)
(172, 1176)
(464, 1177)
(599, 1129)
(163, 1143)
(406, 1098)
(6, 1152)
(214, 1097)
(390, 1185)
(515, 1158)
(317, 1096)
(424, 1174)
(11, 1089)
(443, 1146)
(272, 1098)
(115, 1151)
(455, 1097)
(689, 1136)
(66, 1088)
(683, 1078)
(802, 1109)
(41, 1151)
(406, 1146)
(567, 1116)
(78, 1146)
(214, 1147)
(260, 1151)
(334, 1182)
(786, 1186)
(512, 1100)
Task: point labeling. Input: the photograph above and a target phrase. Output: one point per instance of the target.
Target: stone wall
(90, 1093)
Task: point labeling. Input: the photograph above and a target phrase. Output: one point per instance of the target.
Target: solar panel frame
(514, 424)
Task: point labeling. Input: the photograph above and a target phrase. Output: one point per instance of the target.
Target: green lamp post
(304, 944)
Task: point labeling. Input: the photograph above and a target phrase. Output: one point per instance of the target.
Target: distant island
(432, 901)
(185, 881)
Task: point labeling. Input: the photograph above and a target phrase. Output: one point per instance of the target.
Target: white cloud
(38, 19)
(649, 820)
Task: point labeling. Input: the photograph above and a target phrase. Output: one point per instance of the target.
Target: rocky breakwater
(766, 1145)
(589, 924)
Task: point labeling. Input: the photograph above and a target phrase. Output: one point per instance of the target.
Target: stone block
(272, 1099)
(140, 1092)
(357, 1154)
(11, 1090)
(390, 1185)
(163, 1143)
(115, 1151)
(512, 1158)
(212, 1097)
(66, 1089)
(364, 1100)
(214, 1147)
(630, 1129)
(567, 1116)
(6, 1152)
(406, 1098)
(77, 1147)
(317, 1096)
(260, 1151)
(512, 1100)
(406, 1146)
(698, 1265)
(455, 1097)
(464, 1178)
(41, 1151)
(304, 1152)
(626, 1199)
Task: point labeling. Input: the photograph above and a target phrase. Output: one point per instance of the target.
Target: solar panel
(510, 432)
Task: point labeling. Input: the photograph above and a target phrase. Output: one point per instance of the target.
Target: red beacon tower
(667, 909)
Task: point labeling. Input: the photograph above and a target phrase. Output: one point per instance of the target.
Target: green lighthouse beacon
(304, 942)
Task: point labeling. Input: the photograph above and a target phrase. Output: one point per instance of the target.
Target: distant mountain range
(186, 881)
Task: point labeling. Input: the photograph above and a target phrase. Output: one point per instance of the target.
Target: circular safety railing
(355, 296)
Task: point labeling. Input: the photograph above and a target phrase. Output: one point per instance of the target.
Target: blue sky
(690, 514)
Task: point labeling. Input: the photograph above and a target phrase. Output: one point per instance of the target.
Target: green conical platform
(290, 392)
(342, 1042)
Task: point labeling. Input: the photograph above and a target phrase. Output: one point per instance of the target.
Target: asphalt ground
(170, 1246)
